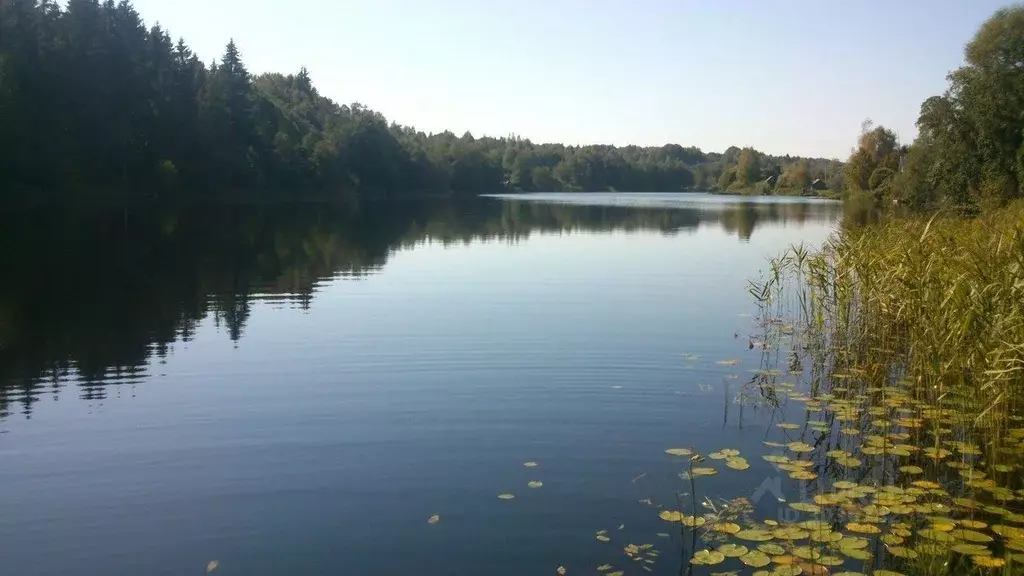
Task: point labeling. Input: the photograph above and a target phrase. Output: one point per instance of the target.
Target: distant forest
(96, 105)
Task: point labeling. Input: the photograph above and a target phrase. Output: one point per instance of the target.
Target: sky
(784, 76)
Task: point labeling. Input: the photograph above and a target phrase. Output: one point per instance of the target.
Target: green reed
(939, 301)
(930, 308)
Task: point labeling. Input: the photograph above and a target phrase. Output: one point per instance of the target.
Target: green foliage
(727, 178)
(797, 176)
(748, 167)
(968, 154)
(94, 103)
(877, 148)
(880, 177)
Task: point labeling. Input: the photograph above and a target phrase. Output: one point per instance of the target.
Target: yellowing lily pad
(670, 515)
(790, 533)
(856, 553)
(693, 521)
(670, 451)
(755, 559)
(1011, 532)
(708, 557)
(434, 519)
(971, 549)
(901, 552)
(970, 536)
(863, 528)
(754, 535)
(726, 527)
(534, 484)
(733, 550)
(737, 463)
(988, 561)
(852, 543)
(936, 535)
(506, 496)
(773, 549)
(806, 552)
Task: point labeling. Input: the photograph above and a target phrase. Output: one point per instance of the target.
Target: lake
(298, 389)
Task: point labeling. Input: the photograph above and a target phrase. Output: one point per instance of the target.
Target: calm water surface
(295, 390)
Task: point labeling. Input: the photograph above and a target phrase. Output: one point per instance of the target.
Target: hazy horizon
(795, 78)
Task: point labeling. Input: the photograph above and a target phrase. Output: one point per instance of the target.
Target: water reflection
(92, 298)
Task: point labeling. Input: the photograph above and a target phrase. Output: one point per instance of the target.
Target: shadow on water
(91, 298)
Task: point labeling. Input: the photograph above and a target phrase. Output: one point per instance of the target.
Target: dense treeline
(969, 152)
(95, 103)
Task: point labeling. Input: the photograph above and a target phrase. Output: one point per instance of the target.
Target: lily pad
(725, 527)
(755, 559)
(901, 552)
(936, 535)
(693, 521)
(988, 561)
(708, 558)
(972, 536)
(670, 515)
(770, 548)
(805, 507)
(971, 549)
(733, 550)
(754, 535)
(863, 528)
(790, 533)
(737, 463)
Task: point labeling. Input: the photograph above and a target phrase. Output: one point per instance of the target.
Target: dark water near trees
(297, 389)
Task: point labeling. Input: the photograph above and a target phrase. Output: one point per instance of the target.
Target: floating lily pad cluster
(897, 482)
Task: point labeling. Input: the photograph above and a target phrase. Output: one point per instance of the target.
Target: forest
(99, 106)
(968, 156)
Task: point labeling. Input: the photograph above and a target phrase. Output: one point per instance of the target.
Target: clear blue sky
(784, 76)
